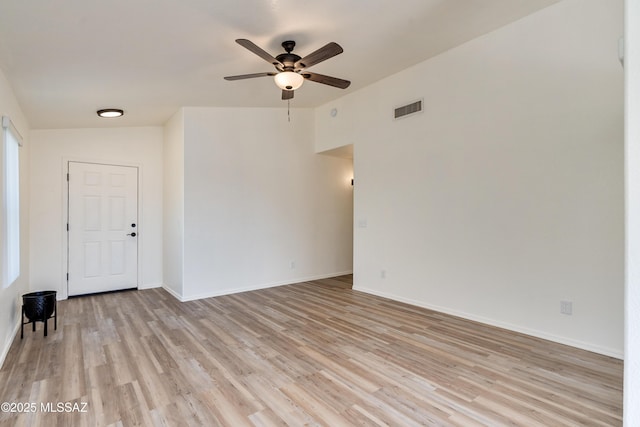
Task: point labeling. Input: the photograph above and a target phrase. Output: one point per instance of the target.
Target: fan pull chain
(288, 110)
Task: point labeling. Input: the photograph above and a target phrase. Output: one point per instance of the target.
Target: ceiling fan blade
(325, 52)
(287, 94)
(249, 76)
(327, 80)
(247, 44)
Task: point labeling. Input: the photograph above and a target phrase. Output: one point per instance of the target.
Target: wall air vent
(407, 110)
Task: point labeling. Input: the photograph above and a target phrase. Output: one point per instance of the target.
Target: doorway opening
(348, 181)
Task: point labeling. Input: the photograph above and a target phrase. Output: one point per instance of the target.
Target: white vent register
(407, 110)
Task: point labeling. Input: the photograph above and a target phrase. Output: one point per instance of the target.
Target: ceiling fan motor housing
(288, 60)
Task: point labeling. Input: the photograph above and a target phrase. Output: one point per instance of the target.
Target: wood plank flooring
(315, 353)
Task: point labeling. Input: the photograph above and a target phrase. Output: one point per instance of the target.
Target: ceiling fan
(292, 69)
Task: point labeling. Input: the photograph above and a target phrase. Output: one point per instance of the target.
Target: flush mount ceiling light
(110, 112)
(288, 80)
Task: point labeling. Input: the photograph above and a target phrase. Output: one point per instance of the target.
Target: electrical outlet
(383, 274)
(292, 265)
(566, 307)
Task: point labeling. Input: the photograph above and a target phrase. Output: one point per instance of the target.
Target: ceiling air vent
(407, 110)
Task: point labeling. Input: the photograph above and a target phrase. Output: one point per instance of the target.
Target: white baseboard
(618, 354)
(150, 286)
(173, 293)
(7, 345)
(253, 288)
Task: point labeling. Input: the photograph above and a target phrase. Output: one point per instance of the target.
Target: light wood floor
(314, 353)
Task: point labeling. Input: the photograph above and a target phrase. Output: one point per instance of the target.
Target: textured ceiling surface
(65, 59)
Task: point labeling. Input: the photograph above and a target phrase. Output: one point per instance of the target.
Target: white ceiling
(67, 58)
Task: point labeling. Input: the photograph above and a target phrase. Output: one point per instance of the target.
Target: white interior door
(103, 228)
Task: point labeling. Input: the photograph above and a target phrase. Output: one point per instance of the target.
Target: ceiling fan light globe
(288, 80)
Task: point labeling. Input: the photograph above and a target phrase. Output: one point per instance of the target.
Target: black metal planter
(39, 307)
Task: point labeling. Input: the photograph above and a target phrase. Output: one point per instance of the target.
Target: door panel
(103, 214)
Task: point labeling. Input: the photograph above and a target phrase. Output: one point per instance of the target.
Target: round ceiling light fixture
(110, 112)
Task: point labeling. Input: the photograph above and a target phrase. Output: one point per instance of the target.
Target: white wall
(50, 150)
(632, 156)
(11, 297)
(257, 198)
(506, 195)
(173, 200)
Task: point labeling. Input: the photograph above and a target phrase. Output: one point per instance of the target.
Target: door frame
(63, 291)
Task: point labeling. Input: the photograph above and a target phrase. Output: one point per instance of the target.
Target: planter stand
(39, 307)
